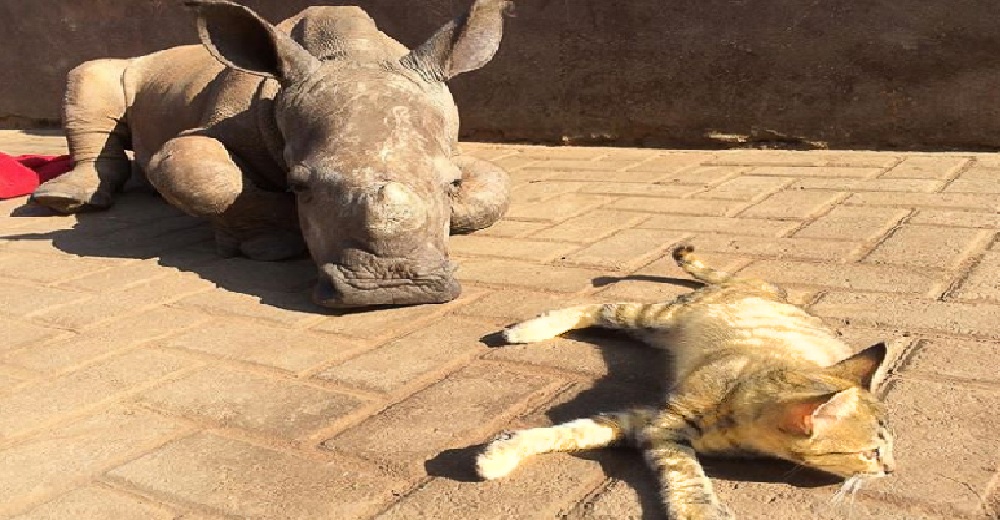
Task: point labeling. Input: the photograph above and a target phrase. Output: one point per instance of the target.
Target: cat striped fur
(751, 374)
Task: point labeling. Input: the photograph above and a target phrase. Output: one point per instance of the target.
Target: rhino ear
(464, 44)
(241, 39)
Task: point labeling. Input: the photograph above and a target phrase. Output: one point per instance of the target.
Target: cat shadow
(604, 281)
(628, 383)
(141, 225)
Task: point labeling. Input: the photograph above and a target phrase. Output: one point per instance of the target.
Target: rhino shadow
(143, 226)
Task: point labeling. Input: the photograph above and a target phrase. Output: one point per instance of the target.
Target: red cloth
(22, 174)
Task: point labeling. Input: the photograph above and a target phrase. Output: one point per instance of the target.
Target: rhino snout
(393, 209)
(379, 282)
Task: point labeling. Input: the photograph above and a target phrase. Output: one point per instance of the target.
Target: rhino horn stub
(393, 208)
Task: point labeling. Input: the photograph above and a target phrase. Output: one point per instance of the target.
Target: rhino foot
(65, 195)
(265, 247)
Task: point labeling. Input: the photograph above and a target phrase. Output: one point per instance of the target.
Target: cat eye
(870, 454)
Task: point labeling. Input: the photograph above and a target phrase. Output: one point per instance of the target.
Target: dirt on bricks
(143, 377)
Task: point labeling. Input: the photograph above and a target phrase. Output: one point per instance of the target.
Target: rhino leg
(482, 196)
(197, 174)
(94, 118)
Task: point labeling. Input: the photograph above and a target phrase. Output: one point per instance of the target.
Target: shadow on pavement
(142, 226)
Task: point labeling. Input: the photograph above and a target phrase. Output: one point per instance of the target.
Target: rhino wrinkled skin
(321, 133)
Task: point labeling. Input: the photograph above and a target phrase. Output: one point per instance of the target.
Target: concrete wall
(848, 73)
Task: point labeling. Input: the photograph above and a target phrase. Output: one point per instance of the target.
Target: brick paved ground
(143, 377)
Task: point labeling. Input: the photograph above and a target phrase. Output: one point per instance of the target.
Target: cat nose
(888, 469)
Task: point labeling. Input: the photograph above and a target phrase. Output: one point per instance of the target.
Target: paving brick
(961, 359)
(56, 460)
(956, 218)
(881, 184)
(853, 223)
(557, 209)
(49, 268)
(80, 348)
(853, 159)
(119, 277)
(918, 167)
(625, 250)
(572, 167)
(542, 489)
(590, 226)
(435, 349)
(512, 304)
(680, 206)
(236, 399)
(667, 163)
(130, 300)
(984, 280)
(18, 333)
(818, 171)
(512, 228)
(964, 201)
(927, 246)
(544, 190)
(44, 402)
(286, 308)
(961, 185)
(249, 481)
(392, 322)
(419, 427)
(531, 250)
(94, 503)
(560, 153)
(698, 175)
(251, 342)
(746, 188)
(245, 275)
(641, 290)
(589, 353)
(639, 189)
(911, 314)
(948, 466)
(524, 274)
(982, 168)
(859, 277)
(734, 225)
(629, 176)
(20, 299)
(797, 204)
(791, 248)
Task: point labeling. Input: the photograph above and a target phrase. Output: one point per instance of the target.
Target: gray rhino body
(320, 133)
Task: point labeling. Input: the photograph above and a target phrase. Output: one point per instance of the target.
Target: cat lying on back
(752, 375)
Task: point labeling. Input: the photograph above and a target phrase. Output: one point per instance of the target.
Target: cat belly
(753, 325)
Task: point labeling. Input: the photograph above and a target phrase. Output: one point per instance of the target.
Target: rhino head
(369, 135)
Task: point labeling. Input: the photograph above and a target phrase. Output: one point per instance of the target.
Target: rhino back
(168, 92)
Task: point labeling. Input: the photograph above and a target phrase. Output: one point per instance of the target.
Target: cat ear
(804, 417)
(861, 367)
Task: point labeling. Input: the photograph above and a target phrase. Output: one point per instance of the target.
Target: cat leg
(608, 315)
(508, 449)
(686, 491)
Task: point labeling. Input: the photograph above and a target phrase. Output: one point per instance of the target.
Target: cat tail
(506, 451)
(694, 266)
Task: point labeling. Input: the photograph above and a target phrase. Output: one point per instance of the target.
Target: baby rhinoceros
(322, 128)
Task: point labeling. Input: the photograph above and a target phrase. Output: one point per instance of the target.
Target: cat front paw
(499, 458)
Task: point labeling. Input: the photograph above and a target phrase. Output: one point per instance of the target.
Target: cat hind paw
(531, 331)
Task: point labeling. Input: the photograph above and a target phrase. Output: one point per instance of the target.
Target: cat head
(830, 420)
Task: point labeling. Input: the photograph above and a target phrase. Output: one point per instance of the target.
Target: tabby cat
(751, 374)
